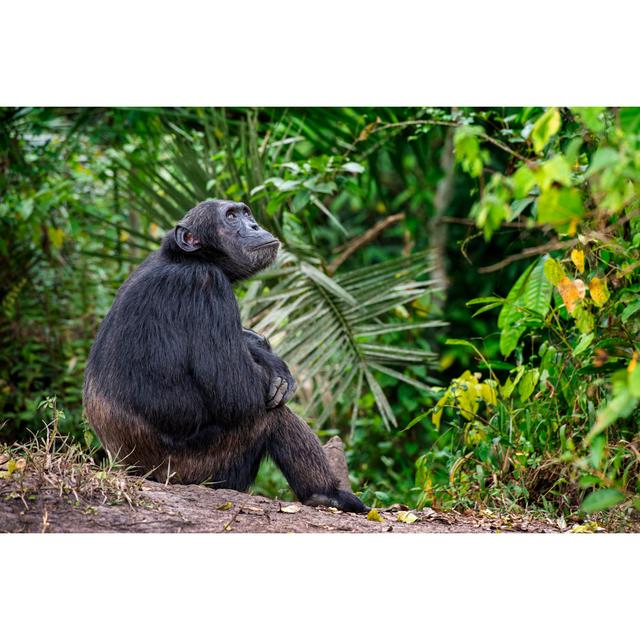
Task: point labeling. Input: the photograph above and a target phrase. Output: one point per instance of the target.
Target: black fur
(177, 388)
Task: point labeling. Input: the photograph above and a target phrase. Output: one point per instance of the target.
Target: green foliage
(541, 410)
(568, 326)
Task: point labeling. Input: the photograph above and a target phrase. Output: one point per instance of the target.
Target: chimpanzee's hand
(281, 387)
(280, 382)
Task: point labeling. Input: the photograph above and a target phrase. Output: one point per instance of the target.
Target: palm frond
(333, 330)
(328, 329)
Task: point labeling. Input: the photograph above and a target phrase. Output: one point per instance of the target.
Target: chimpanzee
(176, 388)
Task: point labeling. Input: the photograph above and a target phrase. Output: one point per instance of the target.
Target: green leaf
(591, 117)
(634, 382)
(553, 271)
(558, 207)
(510, 384)
(603, 158)
(583, 343)
(530, 297)
(554, 170)
(620, 406)
(528, 384)
(467, 149)
(509, 338)
(630, 119)
(462, 343)
(523, 181)
(547, 125)
(484, 300)
(602, 499)
(584, 319)
(630, 310)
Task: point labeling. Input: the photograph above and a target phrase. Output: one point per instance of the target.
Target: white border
(339, 52)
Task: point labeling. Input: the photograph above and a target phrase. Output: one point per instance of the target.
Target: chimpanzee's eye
(230, 215)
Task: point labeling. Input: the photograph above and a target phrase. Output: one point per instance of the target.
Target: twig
(527, 253)
(365, 238)
(439, 123)
(471, 223)
(554, 246)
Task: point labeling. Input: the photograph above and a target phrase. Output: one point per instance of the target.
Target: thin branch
(528, 253)
(556, 245)
(471, 223)
(440, 123)
(365, 238)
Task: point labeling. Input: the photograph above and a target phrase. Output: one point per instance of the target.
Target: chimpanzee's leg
(298, 453)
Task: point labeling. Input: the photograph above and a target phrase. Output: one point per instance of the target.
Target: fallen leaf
(374, 515)
(290, 508)
(587, 527)
(407, 516)
(225, 506)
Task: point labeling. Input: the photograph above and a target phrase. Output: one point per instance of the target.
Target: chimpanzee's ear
(185, 239)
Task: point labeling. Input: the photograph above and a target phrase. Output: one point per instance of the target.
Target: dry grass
(53, 464)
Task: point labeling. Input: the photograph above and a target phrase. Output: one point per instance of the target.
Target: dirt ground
(195, 508)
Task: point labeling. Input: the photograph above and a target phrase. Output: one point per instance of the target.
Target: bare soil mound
(194, 508)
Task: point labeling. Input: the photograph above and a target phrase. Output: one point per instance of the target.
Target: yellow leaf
(587, 527)
(599, 291)
(569, 292)
(633, 362)
(124, 236)
(407, 516)
(577, 257)
(225, 506)
(154, 230)
(374, 515)
(573, 227)
(488, 393)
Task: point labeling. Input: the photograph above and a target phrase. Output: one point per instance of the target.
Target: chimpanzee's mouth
(264, 245)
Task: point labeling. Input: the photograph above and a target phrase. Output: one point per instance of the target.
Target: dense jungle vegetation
(457, 292)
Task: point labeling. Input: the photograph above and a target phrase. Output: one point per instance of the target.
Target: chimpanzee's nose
(255, 227)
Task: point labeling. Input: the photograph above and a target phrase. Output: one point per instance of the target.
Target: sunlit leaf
(560, 207)
(598, 290)
(577, 257)
(547, 125)
(375, 516)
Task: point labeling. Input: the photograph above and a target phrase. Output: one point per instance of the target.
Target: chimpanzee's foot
(343, 500)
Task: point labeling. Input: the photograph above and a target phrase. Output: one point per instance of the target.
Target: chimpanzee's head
(227, 234)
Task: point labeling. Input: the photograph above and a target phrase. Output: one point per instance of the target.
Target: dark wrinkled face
(226, 233)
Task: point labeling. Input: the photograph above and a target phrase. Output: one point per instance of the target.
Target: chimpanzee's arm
(234, 388)
(281, 382)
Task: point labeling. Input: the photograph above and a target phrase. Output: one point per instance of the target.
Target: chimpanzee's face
(226, 233)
